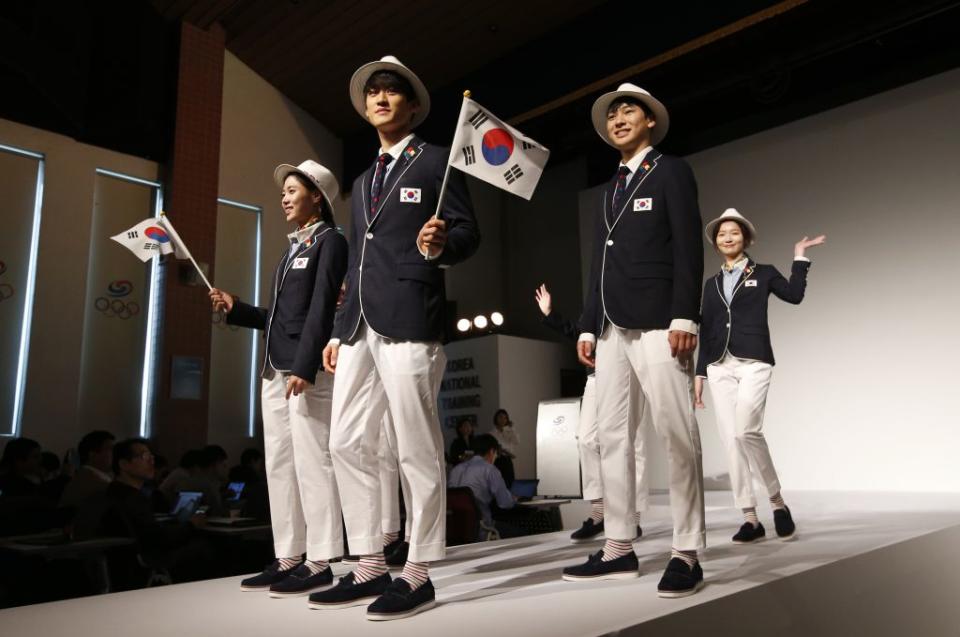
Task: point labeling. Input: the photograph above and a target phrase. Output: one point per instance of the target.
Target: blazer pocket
(422, 272)
(294, 327)
(650, 270)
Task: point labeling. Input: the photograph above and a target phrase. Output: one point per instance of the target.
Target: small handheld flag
(156, 236)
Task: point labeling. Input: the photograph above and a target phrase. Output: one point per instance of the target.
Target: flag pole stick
(443, 184)
(171, 230)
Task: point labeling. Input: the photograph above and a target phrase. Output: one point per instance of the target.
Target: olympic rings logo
(220, 322)
(116, 308)
(6, 290)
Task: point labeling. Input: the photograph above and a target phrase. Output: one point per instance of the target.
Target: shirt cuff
(684, 325)
(588, 337)
(333, 341)
(801, 259)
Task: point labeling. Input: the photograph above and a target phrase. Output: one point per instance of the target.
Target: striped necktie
(621, 188)
(378, 174)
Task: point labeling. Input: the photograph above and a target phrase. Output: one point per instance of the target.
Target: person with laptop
(295, 393)
(485, 480)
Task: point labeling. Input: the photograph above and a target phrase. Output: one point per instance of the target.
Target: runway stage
(863, 564)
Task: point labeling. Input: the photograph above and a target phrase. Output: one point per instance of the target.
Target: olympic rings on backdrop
(220, 322)
(116, 308)
(6, 291)
(3, 267)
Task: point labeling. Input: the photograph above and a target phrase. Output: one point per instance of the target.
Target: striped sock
(776, 501)
(389, 538)
(689, 557)
(612, 549)
(287, 563)
(415, 574)
(750, 515)
(370, 567)
(596, 510)
(317, 566)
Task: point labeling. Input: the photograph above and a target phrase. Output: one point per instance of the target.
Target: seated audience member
(509, 444)
(173, 545)
(95, 452)
(250, 469)
(161, 469)
(54, 476)
(462, 446)
(173, 484)
(20, 468)
(486, 482)
(208, 478)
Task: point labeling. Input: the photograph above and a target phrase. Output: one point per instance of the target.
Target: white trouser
(588, 442)
(375, 373)
(391, 480)
(739, 390)
(304, 502)
(666, 389)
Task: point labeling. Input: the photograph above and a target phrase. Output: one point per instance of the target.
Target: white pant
(374, 373)
(739, 390)
(304, 502)
(588, 442)
(625, 357)
(390, 479)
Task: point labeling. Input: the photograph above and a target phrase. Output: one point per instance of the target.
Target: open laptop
(235, 490)
(183, 509)
(525, 490)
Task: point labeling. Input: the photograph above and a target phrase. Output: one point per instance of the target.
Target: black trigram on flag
(526, 145)
(478, 118)
(132, 234)
(513, 174)
(469, 155)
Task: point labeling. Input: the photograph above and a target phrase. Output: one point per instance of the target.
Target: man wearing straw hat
(643, 308)
(386, 348)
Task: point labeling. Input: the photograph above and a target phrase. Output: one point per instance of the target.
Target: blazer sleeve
(702, 361)
(686, 228)
(339, 320)
(557, 321)
(591, 305)
(791, 291)
(245, 315)
(463, 232)
(331, 267)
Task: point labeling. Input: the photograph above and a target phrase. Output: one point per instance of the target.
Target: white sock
(415, 574)
(370, 567)
(776, 501)
(287, 563)
(612, 549)
(596, 510)
(317, 566)
(689, 557)
(750, 515)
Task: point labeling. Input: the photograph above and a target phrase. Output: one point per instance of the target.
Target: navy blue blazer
(741, 328)
(399, 293)
(648, 254)
(304, 294)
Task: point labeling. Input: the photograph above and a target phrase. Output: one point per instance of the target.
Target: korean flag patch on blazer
(410, 195)
(643, 204)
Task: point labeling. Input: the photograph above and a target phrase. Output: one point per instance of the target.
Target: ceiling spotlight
(463, 325)
(496, 318)
(480, 322)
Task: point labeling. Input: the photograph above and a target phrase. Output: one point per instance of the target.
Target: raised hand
(222, 301)
(807, 242)
(544, 300)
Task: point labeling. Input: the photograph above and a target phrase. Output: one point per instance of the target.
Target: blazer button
(609, 242)
(728, 325)
(369, 235)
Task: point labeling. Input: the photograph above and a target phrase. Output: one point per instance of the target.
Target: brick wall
(191, 204)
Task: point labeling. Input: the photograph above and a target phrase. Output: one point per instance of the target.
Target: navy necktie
(378, 174)
(621, 188)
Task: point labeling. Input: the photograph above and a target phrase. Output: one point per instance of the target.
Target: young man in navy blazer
(642, 306)
(386, 348)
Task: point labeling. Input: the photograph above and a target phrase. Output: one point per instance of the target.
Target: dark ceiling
(104, 71)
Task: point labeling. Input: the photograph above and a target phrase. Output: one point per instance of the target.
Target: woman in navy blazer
(737, 359)
(295, 392)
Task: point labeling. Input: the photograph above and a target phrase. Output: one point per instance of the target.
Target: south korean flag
(495, 152)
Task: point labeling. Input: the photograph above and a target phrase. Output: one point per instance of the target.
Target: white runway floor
(513, 587)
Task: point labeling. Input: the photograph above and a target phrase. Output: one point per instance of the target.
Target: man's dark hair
(325, 212)
(50, 462)
(190, 459)
(744, 230)
(17, 450)
(390, 81)
(92, 442)
(626, 99)
(249, 456)
(483, 443)
(211, 455)
(123, 450)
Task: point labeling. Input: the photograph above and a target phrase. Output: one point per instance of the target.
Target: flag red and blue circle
(497, 146)
(157, 234)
